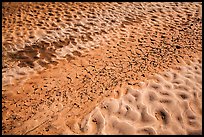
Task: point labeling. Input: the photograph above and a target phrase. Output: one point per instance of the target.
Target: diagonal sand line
(30, 130)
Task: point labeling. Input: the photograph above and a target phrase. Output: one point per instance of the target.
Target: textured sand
(168, 103)
(102, 68)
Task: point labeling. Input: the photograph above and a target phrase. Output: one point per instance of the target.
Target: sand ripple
(155, 108)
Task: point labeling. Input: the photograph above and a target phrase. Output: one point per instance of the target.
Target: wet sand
(102, 68)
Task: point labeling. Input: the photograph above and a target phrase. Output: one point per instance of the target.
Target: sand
(102, 68)
(169, 103)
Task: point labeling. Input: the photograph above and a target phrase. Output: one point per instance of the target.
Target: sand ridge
(163, 105)
(56, 99)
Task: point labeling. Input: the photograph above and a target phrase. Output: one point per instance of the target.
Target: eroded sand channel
(74, 56)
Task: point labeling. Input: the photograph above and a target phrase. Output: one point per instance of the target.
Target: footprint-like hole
(179, 119)
(57, 44)
(166, 101)
(42, 63)
(147, 130)
(54, 62)
(155, 86)
(26, 63)
(76, 53)
(32, 37)
(183, 96)
(69, 57)
(33, 55)
(177, 82)
(193, 123)
(167, 86)
(182, 87)
(50, 14)
(152, 96)
(163, 116)
(19, 55)
(175, 76)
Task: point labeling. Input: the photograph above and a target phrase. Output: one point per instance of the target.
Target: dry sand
(168, 103)
(102, 68)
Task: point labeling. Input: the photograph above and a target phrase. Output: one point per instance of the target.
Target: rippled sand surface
(101, 68)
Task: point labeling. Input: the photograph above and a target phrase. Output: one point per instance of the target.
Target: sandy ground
(102, 68)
